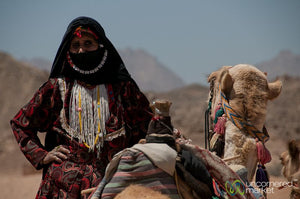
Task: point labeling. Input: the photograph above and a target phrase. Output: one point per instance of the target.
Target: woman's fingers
(62, 149)
(57, 158)
(50, 157)
(58, 154)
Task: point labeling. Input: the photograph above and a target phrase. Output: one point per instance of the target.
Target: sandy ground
(25, 187)
(276, 193)
(19, 186)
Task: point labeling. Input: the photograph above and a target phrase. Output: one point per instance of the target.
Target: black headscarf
(112, 71)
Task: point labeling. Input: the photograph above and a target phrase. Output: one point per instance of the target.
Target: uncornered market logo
(236, 187)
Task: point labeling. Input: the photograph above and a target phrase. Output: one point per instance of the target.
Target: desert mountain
(149, 73)
(285, 63)
(18, 82)
(39, 62)
(146, 70)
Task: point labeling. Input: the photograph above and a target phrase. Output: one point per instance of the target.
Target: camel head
(248, 90)
(290, 159)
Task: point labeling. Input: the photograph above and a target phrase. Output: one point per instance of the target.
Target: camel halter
(241, 123)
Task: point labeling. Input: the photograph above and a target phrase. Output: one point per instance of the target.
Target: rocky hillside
(285, 63)
(18, 83)
(149, 73)
(283, 113)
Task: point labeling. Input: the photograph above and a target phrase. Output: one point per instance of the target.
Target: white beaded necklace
(85, 72)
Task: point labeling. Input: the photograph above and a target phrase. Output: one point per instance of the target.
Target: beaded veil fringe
(88, 112)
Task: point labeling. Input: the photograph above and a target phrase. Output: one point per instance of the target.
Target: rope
(177, 184)
(207, 112)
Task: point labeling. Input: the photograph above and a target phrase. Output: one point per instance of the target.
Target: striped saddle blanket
(132, 166)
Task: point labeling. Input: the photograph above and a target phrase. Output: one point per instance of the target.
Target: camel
(189, 175)
(242, 93)
(290, 161)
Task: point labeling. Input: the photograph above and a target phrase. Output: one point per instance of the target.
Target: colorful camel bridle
(241, 123)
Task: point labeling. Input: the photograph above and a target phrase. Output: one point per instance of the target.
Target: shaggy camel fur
(133, 192)
(290, 161)
(140, 192)
(248, 92)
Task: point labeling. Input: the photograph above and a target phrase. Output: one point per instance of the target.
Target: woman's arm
(37, 115)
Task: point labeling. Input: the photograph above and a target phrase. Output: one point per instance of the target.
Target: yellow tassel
(99, 113)
(79, 111)
(87, 146)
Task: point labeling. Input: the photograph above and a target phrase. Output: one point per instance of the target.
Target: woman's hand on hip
(58, 154)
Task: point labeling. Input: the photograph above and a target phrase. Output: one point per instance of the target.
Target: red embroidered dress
(128, 108)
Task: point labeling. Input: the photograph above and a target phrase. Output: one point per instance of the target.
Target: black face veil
(113, 70)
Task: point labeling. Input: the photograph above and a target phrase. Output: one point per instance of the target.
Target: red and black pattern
(128, 107)
(81, 171)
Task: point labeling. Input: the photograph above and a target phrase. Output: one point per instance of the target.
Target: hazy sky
(190, 37)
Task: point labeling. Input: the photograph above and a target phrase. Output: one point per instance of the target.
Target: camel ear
(226, 83)
(293, 149)
(283, 157)
(274, 89)
(212, 77)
